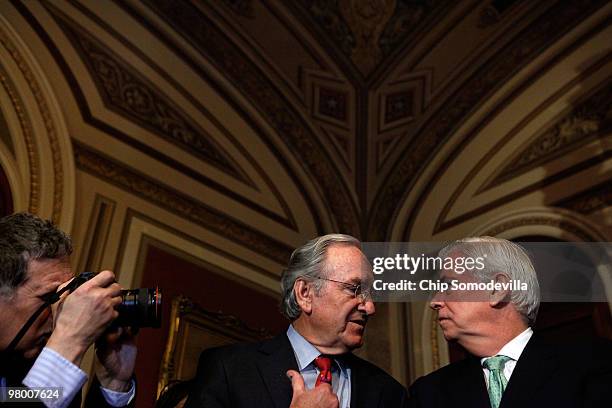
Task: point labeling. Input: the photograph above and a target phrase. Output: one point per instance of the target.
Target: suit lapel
(534, 369)
(276, 357)
(468, 385)
(365, 390)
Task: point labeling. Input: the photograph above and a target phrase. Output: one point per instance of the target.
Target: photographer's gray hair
(23, 238)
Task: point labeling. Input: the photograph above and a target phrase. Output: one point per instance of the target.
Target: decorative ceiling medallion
(329, 98)
(367, 32)
(399, 103)
(331, 103)
(367, 20)
(398, 106)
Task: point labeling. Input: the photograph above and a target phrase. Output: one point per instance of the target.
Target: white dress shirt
(513, 349)
(52, 370)
(305, 354)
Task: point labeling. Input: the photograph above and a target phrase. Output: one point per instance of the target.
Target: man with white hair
(326, 296)
(509, 366)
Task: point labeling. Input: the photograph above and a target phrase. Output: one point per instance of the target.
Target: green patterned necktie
(497, 381)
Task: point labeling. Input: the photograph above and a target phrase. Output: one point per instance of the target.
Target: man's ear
(304, 292)
(498, 296)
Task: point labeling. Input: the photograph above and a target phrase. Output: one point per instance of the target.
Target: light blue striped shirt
(305, 353)
(52, 370)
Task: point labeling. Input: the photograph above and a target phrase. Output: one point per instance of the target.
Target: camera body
(140, 307)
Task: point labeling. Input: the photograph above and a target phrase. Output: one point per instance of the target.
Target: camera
(140, 307)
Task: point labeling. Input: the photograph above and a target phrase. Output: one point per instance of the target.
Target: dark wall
(177, 276)
(6, 197)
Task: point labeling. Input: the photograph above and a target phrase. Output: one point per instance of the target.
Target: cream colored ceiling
(234, 130)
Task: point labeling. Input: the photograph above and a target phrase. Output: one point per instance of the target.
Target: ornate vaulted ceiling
(267, 122)
(233, 130)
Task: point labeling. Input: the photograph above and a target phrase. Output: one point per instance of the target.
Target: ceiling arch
(512, 150)
(36, 148)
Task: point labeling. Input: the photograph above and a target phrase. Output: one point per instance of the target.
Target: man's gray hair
(23, 238)
(509, 258)
(307, 262)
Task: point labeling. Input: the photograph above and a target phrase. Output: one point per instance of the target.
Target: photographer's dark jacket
(15, 370)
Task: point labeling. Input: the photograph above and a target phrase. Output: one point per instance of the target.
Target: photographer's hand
(82, 316)
(116, 358)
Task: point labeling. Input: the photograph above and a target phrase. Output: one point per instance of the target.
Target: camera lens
(140, 308)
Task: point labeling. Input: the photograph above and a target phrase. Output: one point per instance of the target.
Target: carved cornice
(530, 42)
(444, 222)
(539, 221)
(51, 135)
(586, 202)
(230, 61)
(223, 252)
(106, 127)
(26, 130)
(24, 121)
(130, 180)
(125, 91)
(590, 119)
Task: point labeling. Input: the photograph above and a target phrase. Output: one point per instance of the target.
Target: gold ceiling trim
(25, 122)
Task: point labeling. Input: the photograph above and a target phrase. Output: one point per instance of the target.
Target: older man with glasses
(326, 296)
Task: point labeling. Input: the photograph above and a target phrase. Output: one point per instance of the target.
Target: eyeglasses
(358, 291)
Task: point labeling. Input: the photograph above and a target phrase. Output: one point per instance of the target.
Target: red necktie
(324, 364)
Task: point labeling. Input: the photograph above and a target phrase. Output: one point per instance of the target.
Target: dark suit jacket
(15, 371)
(253, 375)
(544, 376)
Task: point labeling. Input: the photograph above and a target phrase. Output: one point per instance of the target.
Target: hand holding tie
(322, 396)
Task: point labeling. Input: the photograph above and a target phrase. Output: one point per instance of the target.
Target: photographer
(46, 328)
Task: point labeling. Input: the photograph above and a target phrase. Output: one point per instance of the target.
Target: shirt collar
(514, 348)
(305, 353)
